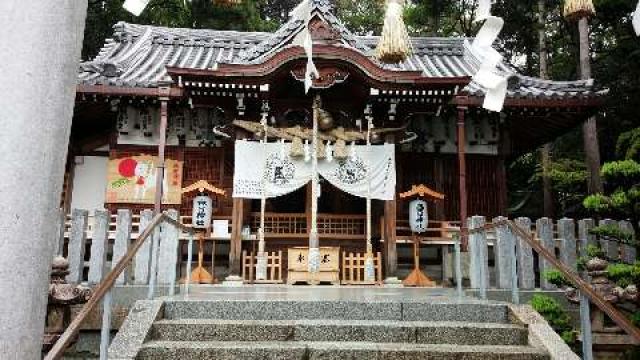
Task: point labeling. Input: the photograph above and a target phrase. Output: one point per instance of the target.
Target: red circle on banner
(127, 168)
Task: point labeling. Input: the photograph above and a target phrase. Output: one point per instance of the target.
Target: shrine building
(218, 94)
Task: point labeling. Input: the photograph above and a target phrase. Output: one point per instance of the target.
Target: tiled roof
(137, 56)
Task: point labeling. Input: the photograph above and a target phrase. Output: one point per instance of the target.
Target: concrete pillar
(168, 256)
(628, 252)
(544, 229)
(584, 237)
(611, 248)
(40, 44)
(143, 257)
(77, 245)
(58, 241)
(99, 246)
(526, 273)
(567, 235)
(502, 251)
(478, 253)
(121, 243)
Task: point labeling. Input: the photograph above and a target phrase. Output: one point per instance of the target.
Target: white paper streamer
(482, 48)
(135, 6)
(311, 67)
(636, 20)
(303, 11)
(484, 10)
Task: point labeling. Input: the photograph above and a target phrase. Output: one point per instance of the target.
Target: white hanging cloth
(285, 175)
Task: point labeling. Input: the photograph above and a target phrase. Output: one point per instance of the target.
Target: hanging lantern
(576, 9)
(395, 45)
(202, 210)
(418, 216)
(297, 149)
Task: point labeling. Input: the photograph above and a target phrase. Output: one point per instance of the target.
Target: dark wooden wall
(486, 180)
(486, 183)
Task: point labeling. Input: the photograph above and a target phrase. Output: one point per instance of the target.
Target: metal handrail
(107, 284)
(585, 288)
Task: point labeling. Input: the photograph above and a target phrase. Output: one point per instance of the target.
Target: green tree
(622, 183)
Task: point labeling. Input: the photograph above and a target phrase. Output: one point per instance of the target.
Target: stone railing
(104, 234)
(566, 238)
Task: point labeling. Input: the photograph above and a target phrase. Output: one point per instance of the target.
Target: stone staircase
(327, 330)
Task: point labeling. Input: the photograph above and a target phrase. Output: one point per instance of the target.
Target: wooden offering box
(299, 266)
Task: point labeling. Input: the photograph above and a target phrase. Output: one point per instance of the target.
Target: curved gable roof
(138, 56)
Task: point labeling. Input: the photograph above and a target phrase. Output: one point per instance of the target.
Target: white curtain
(281, 175)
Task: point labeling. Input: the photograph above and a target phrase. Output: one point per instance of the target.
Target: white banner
(279, 174)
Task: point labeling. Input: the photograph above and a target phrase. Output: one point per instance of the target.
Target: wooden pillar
(438, 176)
(307, 206)
(390, 250)
(164, 115)
(235, 249)
(462, 171)
(501, 175)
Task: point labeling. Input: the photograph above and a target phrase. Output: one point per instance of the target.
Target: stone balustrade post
(568, 245)
(168, 256)
(142, 262)
(77, 245)
(585, 238)
(122, 242)
(99, 246)
(610, 247)
(479, 250)
(544, 229)
(504, 240)
(526, 273)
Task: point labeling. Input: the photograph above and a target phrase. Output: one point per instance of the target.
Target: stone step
(161, 350)
(375, 331)
(441, 310)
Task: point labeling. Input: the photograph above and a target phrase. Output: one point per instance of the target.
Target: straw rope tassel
(394, 45)
(575, 9)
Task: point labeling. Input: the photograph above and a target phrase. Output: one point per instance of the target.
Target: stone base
(393, 282)
(233, 281)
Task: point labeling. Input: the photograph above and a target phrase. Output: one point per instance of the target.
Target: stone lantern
(61, 297)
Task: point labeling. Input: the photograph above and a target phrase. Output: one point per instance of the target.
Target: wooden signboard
(132, 180)
(299, 266)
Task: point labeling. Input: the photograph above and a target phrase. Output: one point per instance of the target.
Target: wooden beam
(585, 102)
(126, 91)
